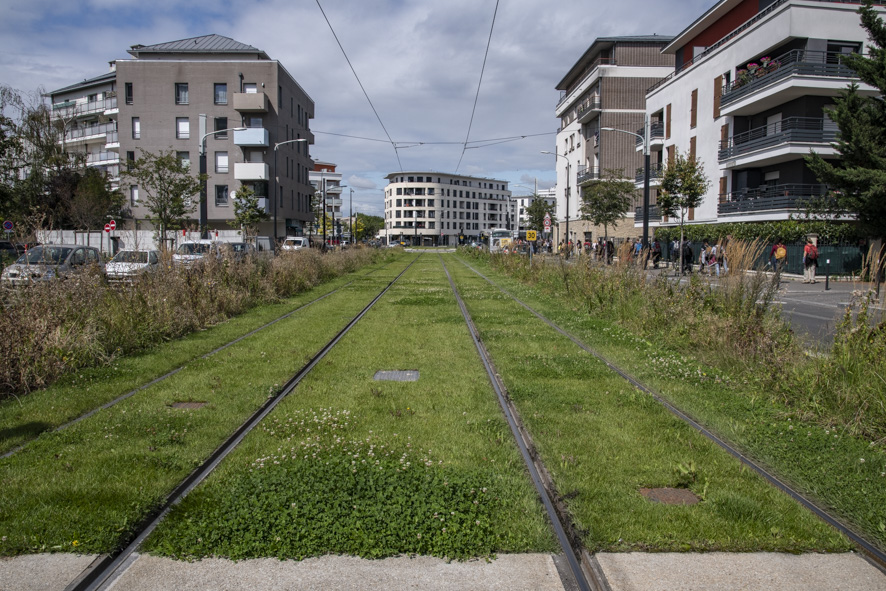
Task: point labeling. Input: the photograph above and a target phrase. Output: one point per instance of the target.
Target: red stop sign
(113, 224)
(108, 228)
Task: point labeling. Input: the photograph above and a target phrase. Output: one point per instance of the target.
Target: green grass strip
(83, 488)
(22, 419)
(355, 466)
(603, 440)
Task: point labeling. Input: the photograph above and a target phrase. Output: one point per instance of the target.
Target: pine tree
(858, 180)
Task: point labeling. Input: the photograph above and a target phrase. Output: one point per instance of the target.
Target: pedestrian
(656, 253)
(778, 255)
(687, 258)
(713, 260)
(703, 257)
(810, 261)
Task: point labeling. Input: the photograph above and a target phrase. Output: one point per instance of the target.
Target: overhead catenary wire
(350, 65)
(479, 85)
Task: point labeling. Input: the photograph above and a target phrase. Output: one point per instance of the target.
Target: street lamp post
(645, 138)
(204, 207)
(277, 183)
(333, 216)
(567, 196)
(351, 217)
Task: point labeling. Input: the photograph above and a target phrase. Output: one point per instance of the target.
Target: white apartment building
(521, 202)
(605, 88)
(426, 208)
(327, 185)
(746, 96)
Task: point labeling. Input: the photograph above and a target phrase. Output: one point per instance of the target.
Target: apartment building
(605, 88)
(751, 79)
(210, 96)
(327, 182)
(425, 208)
(522, 202)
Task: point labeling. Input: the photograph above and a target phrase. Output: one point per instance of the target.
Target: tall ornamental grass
(50, 329)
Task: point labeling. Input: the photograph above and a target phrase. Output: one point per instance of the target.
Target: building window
(250, 88)
(220, 93)
(136, 129)
(184, 158)
(181, 93)
(182, 128)
(254, 121)
(128, 92)
(221, 123)
(221, 196)
(221, 162)
(133, 195)
(130, 159)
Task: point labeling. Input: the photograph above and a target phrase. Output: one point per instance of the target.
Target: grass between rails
(354, 466)
(83, 488)
(842, 472)
(602, 440)
(22, 419)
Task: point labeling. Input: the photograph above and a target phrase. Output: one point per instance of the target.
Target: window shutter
(693, 109)
(722, 189)
(718, 90)
(668, 122)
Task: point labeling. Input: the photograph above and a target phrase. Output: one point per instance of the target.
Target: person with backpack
(778, 255)
(810, 261)
(656, 253)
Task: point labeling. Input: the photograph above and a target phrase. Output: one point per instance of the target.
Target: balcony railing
(768, 198)
(97, 158)
(73, 109)
(81, 132)
(654, 213)
(587, 173)
(656, 171)
(799, 62)
(805, 130)
(113, 137)
(656, 132)
(600, 61)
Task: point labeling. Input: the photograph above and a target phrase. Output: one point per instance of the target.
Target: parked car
(128, 265)
(50, 261)
(236, 250)
(192, 252)
(295, 243)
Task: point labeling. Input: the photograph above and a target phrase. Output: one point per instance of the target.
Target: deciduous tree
(683, 186)
(606, 202)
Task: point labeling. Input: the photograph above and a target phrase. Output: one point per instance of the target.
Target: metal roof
(98, 80)
(204, 44)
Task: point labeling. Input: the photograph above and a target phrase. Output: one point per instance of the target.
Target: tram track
(585, 571)
(871, 552)
(173, 372)
(105, 569)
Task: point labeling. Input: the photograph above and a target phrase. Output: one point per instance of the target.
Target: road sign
(7, 225)
(531, 235)
(548, 217)
(108, 228)
(547, 224)
(113, 224)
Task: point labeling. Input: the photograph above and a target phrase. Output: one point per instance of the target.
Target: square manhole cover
(406, 375)
(670, 496)
(187, 404)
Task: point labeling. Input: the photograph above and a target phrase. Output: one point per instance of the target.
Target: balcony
(91, 132)
(251, 102)
(588, 72)
(251, 171)
(656, 135)
(254, 137)
(102, 158)
(770, 198)
(779, 141)
(69, 109)
(585, 174)
(112, 141)
(589, 109)
(264, 204)
(791, 75)
(654, 214)
(656, 172)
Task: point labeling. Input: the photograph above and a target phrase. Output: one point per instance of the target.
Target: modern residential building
(438, 209)
(746, 97)
(521, 202)
(327, 186)
(188, 96)
(605, 88)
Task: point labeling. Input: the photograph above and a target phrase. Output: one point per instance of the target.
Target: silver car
(50, 261)
(128, 265)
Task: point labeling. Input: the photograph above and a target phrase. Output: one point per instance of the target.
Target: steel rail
(870, 552)
(588, 577)
(107, 569)
(171, 373)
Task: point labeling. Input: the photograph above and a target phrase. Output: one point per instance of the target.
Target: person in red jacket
(810, 261)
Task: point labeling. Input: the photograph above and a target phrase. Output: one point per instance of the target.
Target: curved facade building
(426, 208)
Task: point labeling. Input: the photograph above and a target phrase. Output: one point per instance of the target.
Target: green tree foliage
(368, 226)
(683, 186)
(94, 202)
(858, 180)
(247, 213)
(607, 201)
(535, 214)
(168, 187)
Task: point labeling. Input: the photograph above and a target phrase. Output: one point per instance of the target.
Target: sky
(419, 61)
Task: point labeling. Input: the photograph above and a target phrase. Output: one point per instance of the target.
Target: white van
(295, 243)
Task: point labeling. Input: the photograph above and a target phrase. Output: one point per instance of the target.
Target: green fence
(836, 259)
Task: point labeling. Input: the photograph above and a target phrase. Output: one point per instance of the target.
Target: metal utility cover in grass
(187, 404)
(407, 375)
(670, 496)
